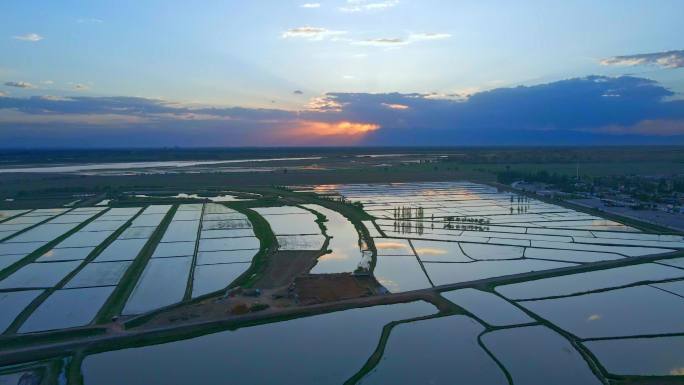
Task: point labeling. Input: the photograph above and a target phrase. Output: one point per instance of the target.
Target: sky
(342, 72)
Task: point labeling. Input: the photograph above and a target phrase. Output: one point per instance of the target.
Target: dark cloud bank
(591, 110)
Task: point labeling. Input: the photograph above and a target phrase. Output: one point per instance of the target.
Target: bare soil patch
(284, 266)
(312, 289)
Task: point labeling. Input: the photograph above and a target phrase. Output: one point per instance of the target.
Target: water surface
(122, 250)
(139, 165)
(36, 275)
(288, 222)
(488, 307)
(323, 349)
(436, 351)
(218, 244)
(345, 251)
(589, 281)
(300, 242)
(12, 303)
(570, 255)
(99, 274)
(433, 251)
(211, 278)
(225, 256)
(67, 308)
(398, 273)
(536, 355)
(162, 283)
(658, 356)
(445, 273)
(633, 311)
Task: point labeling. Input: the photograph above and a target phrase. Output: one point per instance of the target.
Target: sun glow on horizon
(320, 132)
(339, 128)
(343, 128)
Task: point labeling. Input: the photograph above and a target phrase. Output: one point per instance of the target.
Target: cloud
(20, 84)
(311, 33)
(382, 42)
(310, 5)
(33, 37)
(569, 112)
(311, 132)
(55, 98)
(401, 41)
(395, 106)
(319, 33)
(573, 111)
(298, 92)
(112, 122)
(428, 36)
(668, 59)
(677, 371)
(3, 94)
(656, 127)
(96, 120)
(50, 105)
(446, 96)
(314, 128)
(324, 104)
(353, 6)
(81, 87)
(48, 82)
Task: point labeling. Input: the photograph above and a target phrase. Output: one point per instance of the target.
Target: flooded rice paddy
(345, 246)
(523, 291)
(441, 339)
(323, 349)
(131, 167)
(537, 355)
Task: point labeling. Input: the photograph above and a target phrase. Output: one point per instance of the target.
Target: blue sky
(290, 58)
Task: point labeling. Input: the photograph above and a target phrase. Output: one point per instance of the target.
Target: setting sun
(322, 192)
(314, 132)
(334, 129)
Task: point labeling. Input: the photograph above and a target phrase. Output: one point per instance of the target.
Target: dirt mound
(319, 288)
(283, 266)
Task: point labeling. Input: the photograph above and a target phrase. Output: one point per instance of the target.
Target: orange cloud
(304, 132)
(331, 129)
